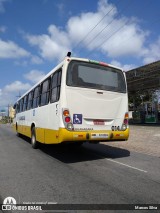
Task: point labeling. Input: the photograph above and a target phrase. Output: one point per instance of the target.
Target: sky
(35, 35)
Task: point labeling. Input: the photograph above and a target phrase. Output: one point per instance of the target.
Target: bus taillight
(67, 119)
(125, 122)
(126, 115)
(66, 112)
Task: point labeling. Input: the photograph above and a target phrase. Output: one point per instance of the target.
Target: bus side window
(55, 86)
(16, 107)
(36, 97)
(30, 100)
(44, 97)
(21, 105)
(25, 103)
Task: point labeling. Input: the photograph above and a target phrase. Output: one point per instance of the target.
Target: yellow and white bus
(80, 100)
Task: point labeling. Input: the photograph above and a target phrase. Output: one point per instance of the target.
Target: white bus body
(79, 100)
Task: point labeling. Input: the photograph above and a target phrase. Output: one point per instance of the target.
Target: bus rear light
(66, 112)
(70, 126)
(124, 127)
(67, 119)
(125, 122)
(126, 115)
(104, 64)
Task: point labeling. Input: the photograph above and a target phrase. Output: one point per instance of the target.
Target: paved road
(92, 174)
(143, 139)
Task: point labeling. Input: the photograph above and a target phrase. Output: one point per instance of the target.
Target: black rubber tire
(17, 133)
(34, 142)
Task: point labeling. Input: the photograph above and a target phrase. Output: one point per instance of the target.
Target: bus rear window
(95, 76)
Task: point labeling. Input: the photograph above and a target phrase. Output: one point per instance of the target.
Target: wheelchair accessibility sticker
(77, 118)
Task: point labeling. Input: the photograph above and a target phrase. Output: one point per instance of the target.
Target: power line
(93, 28)
(112, 20)
(112, 33)
(118, 31)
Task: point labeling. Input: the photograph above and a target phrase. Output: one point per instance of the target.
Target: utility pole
(8, 114)
(18, 96)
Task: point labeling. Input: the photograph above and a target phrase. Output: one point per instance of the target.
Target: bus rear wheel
(34, 142)
(17, 133)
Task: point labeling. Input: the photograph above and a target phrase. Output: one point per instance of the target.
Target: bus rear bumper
(49, 136)
(92, 136)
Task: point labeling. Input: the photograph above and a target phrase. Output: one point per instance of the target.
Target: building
(141, 81)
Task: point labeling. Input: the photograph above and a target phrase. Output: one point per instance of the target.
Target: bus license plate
(99, 135)
(98, 122)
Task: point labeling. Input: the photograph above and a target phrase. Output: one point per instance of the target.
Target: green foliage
(139, 97)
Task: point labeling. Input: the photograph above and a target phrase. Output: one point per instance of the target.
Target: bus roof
(94, 61)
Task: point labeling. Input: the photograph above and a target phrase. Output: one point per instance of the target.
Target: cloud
(104, 36)
(52, 46)
(34, 75)
(115, 36)
(9, 94)
(7, 98)
(125, 67)
(9, 49)
(152, 53)
(16, 86)
(36, 60)
(129, 41)
(79, 26)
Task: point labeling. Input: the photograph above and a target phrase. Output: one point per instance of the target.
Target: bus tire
(17, 133)
(34, 142)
